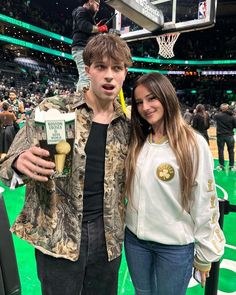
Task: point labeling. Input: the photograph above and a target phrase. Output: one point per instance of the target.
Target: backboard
(173, 16)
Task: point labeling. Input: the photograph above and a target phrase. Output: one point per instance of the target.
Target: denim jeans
(91, 274)
(229, 141)
(83, 80)
(158, 269)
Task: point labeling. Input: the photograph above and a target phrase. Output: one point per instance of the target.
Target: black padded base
(9, 276)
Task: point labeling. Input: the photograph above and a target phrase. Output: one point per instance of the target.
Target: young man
(76, 223)
(84, 27)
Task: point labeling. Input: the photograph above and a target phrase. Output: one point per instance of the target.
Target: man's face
(107, 77)
(94, 6)
(12, 96)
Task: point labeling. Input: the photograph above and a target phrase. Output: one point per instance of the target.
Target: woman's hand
(201, 276)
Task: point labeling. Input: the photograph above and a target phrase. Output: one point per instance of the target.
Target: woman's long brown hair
(181, 137)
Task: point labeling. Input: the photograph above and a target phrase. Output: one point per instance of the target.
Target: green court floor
(226, 182)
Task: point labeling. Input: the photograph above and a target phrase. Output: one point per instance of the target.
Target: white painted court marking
(226, 196)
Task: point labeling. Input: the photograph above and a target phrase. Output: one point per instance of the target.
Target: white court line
(230, 246)
(226, 196)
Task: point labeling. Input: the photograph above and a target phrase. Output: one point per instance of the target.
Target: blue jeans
(91, 274)
(83, 81)
(158, 269)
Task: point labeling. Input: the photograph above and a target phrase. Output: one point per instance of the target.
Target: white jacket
(155, 212)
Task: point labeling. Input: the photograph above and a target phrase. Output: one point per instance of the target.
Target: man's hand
(32, 164)
(103, 29)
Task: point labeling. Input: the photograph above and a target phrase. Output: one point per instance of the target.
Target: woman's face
(149, 106)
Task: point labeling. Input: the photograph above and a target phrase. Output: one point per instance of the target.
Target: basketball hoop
(166, 44)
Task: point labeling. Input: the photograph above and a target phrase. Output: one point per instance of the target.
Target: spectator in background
(84, 27)
(201, 121)
(16, 105)
(225, 124)
(188, 116)
(7, 130)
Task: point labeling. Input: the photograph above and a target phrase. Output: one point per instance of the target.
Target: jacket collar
(79, 100)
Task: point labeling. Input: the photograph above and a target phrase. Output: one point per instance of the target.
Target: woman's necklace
(159, 140)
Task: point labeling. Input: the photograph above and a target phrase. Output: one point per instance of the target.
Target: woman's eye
(138, 102)
(153, 98)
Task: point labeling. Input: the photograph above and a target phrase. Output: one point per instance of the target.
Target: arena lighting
(219, 73)
(136, 70)
(35, 29)
(149, 60)
(184, 62)
(19, 42)
(165, 72)
(193, 91)
(229, 91)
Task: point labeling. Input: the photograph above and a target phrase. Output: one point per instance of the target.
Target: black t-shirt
(94, 172)
(225, 123)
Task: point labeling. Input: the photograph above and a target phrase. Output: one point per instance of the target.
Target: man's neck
(103, 111)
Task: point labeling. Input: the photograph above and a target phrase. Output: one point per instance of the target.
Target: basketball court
(226, 188)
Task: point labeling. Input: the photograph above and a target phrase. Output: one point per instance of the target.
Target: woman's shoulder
(201, 142)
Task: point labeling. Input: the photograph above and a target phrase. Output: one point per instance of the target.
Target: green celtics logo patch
(165, 172)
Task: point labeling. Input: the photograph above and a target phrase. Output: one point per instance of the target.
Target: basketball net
(166, 44)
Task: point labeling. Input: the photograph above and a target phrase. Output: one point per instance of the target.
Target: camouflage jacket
(52, 215)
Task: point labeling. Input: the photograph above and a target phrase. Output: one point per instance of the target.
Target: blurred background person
(188, 116)
(201, 121)
(7, 130)
(84, 27)
(225, 124)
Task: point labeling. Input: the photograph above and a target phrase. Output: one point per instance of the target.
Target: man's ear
(126, 71)
(87, 70)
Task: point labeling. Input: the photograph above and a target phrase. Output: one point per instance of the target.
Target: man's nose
(109, 74)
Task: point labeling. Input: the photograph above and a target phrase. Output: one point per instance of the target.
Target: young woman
(172, 213)
(201, 121)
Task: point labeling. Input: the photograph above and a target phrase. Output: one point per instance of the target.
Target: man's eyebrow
(99, 62)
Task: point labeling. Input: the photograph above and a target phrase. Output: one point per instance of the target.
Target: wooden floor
(213, 145)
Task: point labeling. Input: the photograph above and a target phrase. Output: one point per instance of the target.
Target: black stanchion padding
(212, 282)
(8, 264)
(2, 289)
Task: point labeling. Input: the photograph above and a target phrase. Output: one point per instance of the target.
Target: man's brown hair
(107, 45)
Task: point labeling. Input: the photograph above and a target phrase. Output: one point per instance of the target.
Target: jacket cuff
(202, 266)
(7, 170)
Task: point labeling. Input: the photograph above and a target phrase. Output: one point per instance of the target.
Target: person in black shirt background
(84, 27)
(201, 121)
(225, 124)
